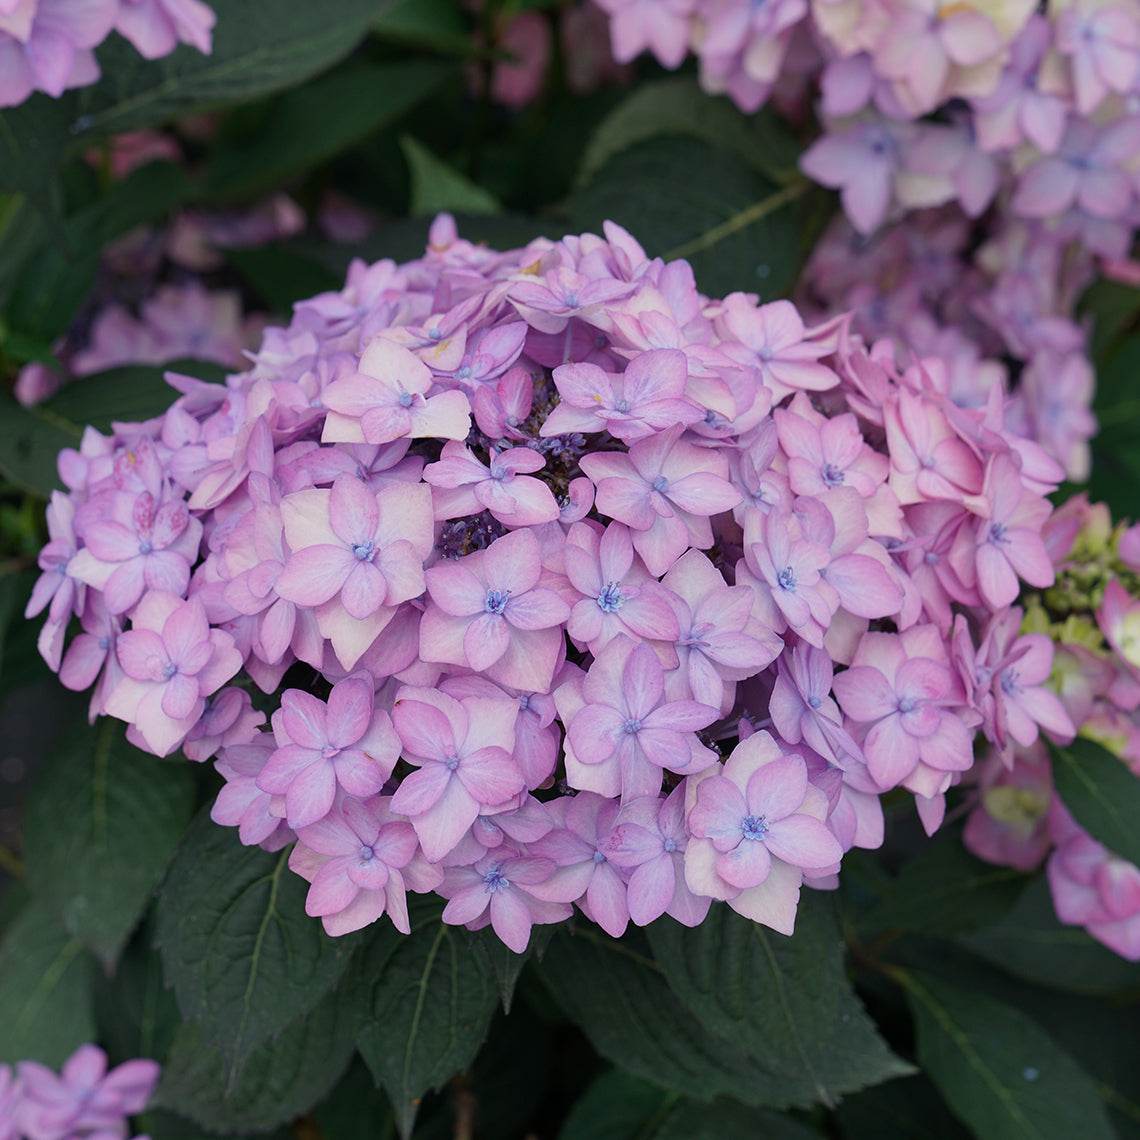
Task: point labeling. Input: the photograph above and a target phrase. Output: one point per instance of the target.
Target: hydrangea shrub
(646, 676)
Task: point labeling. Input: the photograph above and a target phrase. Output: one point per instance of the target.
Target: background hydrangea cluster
(83, 1102)
(936, 119)
(48, 45)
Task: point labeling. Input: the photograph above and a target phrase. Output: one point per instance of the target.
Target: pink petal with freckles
(358, 773)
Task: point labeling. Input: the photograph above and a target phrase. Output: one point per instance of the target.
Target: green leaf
(312, 124)
(46, 1006)
(785, 1001)
(617, 1106)
(356, 1109)
(30, 440)
(281, 1080)
(438, 187)
(998, 1069)
(736, 227)
(55, 281)
(258, 48)
(945, 890)
(434, 24)
(1031, 942)
(424, 1004)
(161, 1125)
(619, 998)
(678, 106)
(102, 821)
(722, 1118)
(136, 1013)
(243, 957)
(502, 963)
(1101, 793)
(910, 1109)
(282, 275)
(130, 393)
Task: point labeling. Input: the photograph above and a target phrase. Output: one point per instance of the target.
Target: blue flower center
(814, 702)
(997, 533)
(145, 547)
(754, 827)
(610, 599)
(631, 726)
(404, 399)
(661, 484)
(366, 854)
(364, 550)
(599, 857)
(786, 579)
(495, 880)
(496, 601)
(832, 475)
(906, 705)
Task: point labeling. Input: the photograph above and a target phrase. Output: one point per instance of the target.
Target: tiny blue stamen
(496, 601)
(997, 533)
(754, 826)
(814, 702)
(599, 857)
(145, 547)
(786, 579)
(661, 484)
(906, 705)
(366, 854)
(364, 550)
(404, 399)
(631, 726)
(832, 475)
(610, 599)
(495, 880)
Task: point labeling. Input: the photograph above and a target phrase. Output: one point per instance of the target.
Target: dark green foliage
(423, 1005)
(46, 1009)
(243, 957)
(102, 821)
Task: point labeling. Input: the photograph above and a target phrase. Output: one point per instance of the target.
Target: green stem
(746, 217)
